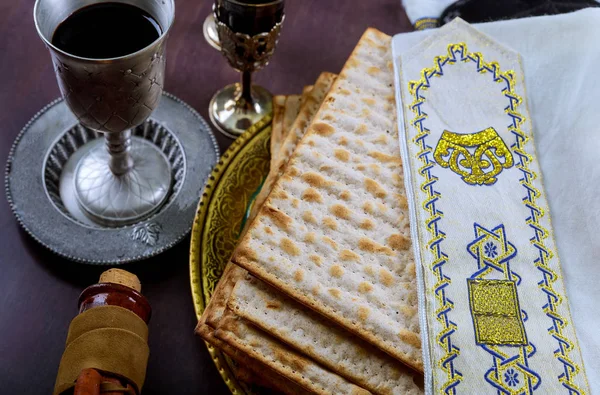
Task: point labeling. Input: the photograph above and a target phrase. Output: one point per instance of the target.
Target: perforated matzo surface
(334, 232)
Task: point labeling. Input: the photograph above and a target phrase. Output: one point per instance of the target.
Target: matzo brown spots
(329, 241)
(280, 194)
(247, 252)
(382, 139)
(374, 188)
(344, 92)
(336, 271)
(381, 207)
(347, 255)
(402, 202)
(310, 237)
(368, 207)
(408, 311)
(289, 360)
(398, 242)
(311, 195)
(299, 275)
(412, 269)
(361, 167)
(373, 70)
(273, 304)
(410, 338)
(365, 112)
(289, 247)
(309, 217)
(386, 277)
(335, 293)
(365, 287)
(343, 141)
(315, 180)
(375, 168)
(279, 218)
(368, 101)
(345, 195)
(315, 259)
(323, 129)
(293, 171)
(367, 224)
(342, 154)
(397, 179)
(340, 211)
(363, 313)
(328, 117)
(330, 223)
(369, 270)
(371, 246)
(268, 230)
(361, 129)
(316, 290)
(380, 156)
(295, 203)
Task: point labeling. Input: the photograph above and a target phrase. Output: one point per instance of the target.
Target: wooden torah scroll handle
(92, 382)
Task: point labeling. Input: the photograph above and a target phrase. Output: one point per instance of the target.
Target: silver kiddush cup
(128, 178)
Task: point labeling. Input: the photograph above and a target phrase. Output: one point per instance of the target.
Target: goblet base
(119, 200)
(232, 116)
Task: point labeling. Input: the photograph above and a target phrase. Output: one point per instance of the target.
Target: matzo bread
(301, 370)
(305, 92)
(334, 232)
(324, 342)
(279, 160)
(277, 132)
(292, 108)
(260, 373)
(213, 314)
(309, 108)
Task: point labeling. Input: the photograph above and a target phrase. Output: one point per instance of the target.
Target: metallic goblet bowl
(127, 179)
(245, 52)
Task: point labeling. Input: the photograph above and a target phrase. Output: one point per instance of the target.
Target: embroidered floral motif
(491, 251)
(511, 377)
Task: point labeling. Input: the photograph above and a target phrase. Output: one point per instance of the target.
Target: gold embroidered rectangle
(496, 314)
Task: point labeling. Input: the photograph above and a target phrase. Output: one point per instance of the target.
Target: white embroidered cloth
(560, 61)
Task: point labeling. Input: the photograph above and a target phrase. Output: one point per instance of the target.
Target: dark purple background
(38, 290)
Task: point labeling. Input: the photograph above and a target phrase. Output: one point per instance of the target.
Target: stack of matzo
(332, 241)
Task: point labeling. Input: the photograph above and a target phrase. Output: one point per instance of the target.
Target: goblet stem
(119, 146)
(247, 88)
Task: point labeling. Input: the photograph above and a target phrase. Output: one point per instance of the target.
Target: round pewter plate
(41, 163)
(221, 213)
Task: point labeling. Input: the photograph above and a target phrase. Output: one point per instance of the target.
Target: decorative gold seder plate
(221, 212)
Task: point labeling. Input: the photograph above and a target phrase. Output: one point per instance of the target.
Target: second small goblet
(112, 86)
(248, 33)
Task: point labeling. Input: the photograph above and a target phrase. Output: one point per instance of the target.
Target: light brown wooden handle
(88, 382)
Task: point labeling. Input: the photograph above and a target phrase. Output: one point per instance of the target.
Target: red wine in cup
(106, 30)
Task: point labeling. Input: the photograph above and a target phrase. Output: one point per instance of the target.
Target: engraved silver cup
(128, 178)
(248, 31)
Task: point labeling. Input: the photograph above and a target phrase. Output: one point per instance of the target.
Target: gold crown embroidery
(477, 157)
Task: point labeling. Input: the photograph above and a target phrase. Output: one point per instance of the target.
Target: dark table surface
(39, 291)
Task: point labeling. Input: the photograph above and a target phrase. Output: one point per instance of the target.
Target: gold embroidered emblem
(496, 313)
(476, 157)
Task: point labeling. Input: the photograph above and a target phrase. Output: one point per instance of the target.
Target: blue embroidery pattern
(512, 362)
(511, 377)
(491, 250)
